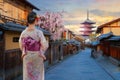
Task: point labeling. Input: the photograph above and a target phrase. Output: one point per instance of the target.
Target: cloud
(101, 20)
(100, 0)
(75, 17)
(104, 13)
(74, 28)
(101, 11)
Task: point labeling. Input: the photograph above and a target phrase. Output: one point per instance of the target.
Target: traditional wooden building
(15, 10)
(13, 14)
(110, 38)
(112, 26)
(67, 35)
(109, 45)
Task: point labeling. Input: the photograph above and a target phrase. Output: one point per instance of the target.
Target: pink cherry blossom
(53, 22)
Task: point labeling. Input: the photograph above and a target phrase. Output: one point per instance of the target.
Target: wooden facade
(105, 47)
(112, 26)
(111, 49)
(9, 40)
(67, 35)
(109, 45)
(115, 52)
(15, 9)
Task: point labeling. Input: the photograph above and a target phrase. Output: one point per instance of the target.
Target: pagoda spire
(87, 14)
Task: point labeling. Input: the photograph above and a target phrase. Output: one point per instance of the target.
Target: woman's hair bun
(31, 17)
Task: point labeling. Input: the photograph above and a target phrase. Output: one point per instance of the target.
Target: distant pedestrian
(33, 45)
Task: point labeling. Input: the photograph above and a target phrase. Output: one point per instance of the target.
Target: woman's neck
(31, 27)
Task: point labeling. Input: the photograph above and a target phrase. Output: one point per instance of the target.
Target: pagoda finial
(87, 14)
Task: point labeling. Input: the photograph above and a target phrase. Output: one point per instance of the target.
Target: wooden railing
(56, 52)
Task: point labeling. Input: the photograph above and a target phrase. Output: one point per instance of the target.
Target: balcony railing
(10, 19)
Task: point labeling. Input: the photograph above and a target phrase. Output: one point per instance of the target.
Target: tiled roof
(10, 26)
(95, 43)
(101, 26)
(88, 21)
(104, 36)
(106, 25)
(27, 1)
(114, 38)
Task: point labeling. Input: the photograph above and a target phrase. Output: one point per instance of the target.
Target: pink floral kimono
(33, 43)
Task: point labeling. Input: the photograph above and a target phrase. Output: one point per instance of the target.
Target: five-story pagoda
(87, 27)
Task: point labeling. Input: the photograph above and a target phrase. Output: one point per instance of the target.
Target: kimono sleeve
(20, 41)
(43, 42)
(22, 48)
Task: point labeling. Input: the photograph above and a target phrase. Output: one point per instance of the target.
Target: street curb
(114, 61)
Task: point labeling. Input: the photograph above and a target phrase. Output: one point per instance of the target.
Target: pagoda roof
(88, 21)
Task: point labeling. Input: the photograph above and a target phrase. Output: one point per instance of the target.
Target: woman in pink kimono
(33, 45)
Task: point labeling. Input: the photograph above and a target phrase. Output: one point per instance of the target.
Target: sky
(75, 11)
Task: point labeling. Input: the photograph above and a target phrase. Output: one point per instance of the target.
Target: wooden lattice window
(15, 39)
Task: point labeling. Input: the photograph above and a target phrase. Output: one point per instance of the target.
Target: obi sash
(30, 44)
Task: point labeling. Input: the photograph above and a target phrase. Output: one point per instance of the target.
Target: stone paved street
(109, 66)
(79, 67)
